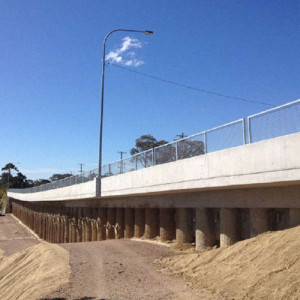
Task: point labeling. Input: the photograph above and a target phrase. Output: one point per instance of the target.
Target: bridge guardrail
(254, 128)
(274, 122)
(76, 179)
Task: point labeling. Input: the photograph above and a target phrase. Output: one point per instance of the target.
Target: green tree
(56, 177)
(39, 182)
(9, 181)
(187, 147)
(144, 143)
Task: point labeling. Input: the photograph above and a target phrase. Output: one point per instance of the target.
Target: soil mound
(264, 267)
(34, 272)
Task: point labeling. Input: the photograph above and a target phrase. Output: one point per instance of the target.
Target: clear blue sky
(51, 73)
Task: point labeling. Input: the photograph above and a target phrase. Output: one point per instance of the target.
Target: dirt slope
(264, 267)
(33, 272)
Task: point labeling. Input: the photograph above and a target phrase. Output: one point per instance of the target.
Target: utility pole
(81, 164)
(121, 153)
(181, 136)
(121, 161)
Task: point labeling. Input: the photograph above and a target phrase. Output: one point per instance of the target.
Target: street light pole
(147, 32)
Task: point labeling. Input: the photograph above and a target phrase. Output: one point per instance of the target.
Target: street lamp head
(148, 32)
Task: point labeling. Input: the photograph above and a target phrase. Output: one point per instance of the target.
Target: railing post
(205, 142)
(244, 132)
(136, 162)
(249, 131)
(176, 150)
(153, 156)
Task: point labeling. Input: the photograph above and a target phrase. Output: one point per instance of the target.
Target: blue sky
(50, 75)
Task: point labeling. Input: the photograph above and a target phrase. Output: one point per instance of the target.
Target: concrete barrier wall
(268, 162)
(77, 191)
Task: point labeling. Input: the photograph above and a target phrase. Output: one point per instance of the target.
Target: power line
(190, 87)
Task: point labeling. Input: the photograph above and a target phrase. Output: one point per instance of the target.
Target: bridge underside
(206, 218)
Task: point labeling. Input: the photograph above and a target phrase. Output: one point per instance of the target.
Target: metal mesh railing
(72, 180)
(278, 121)
(272, 123)
(225, 136)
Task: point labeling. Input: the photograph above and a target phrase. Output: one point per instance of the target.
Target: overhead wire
(189, 86)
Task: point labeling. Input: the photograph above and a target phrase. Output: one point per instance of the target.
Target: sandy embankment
(264, 267)
(34, 272)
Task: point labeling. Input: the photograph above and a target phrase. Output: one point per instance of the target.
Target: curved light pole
(147, 32)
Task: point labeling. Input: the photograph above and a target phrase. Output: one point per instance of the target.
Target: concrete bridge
(213, 199)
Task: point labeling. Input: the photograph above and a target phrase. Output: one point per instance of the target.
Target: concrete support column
(42, 227)
(101, 223)
(294, 216)
(88, 232)
(87, 226)
(94, 230)
(50, 228)
(111, 221)
(184, 225)
(119, 228)
(129, 223)
(259, 221)
(166, 224)
(139, 222)
(79, 230)
(80, 212)
(55, 232)
(228, 227)
(83, 229)
(205, 235)
(61, 229)
(73, 230)
(66, 226)
(151, 223)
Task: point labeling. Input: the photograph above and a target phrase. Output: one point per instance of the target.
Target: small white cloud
(133, 62)
(113, 56)
(130, 43)
(119, 55)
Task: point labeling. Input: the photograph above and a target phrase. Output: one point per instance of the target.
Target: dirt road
(120, 269)
(14, 237)
(112, 269)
